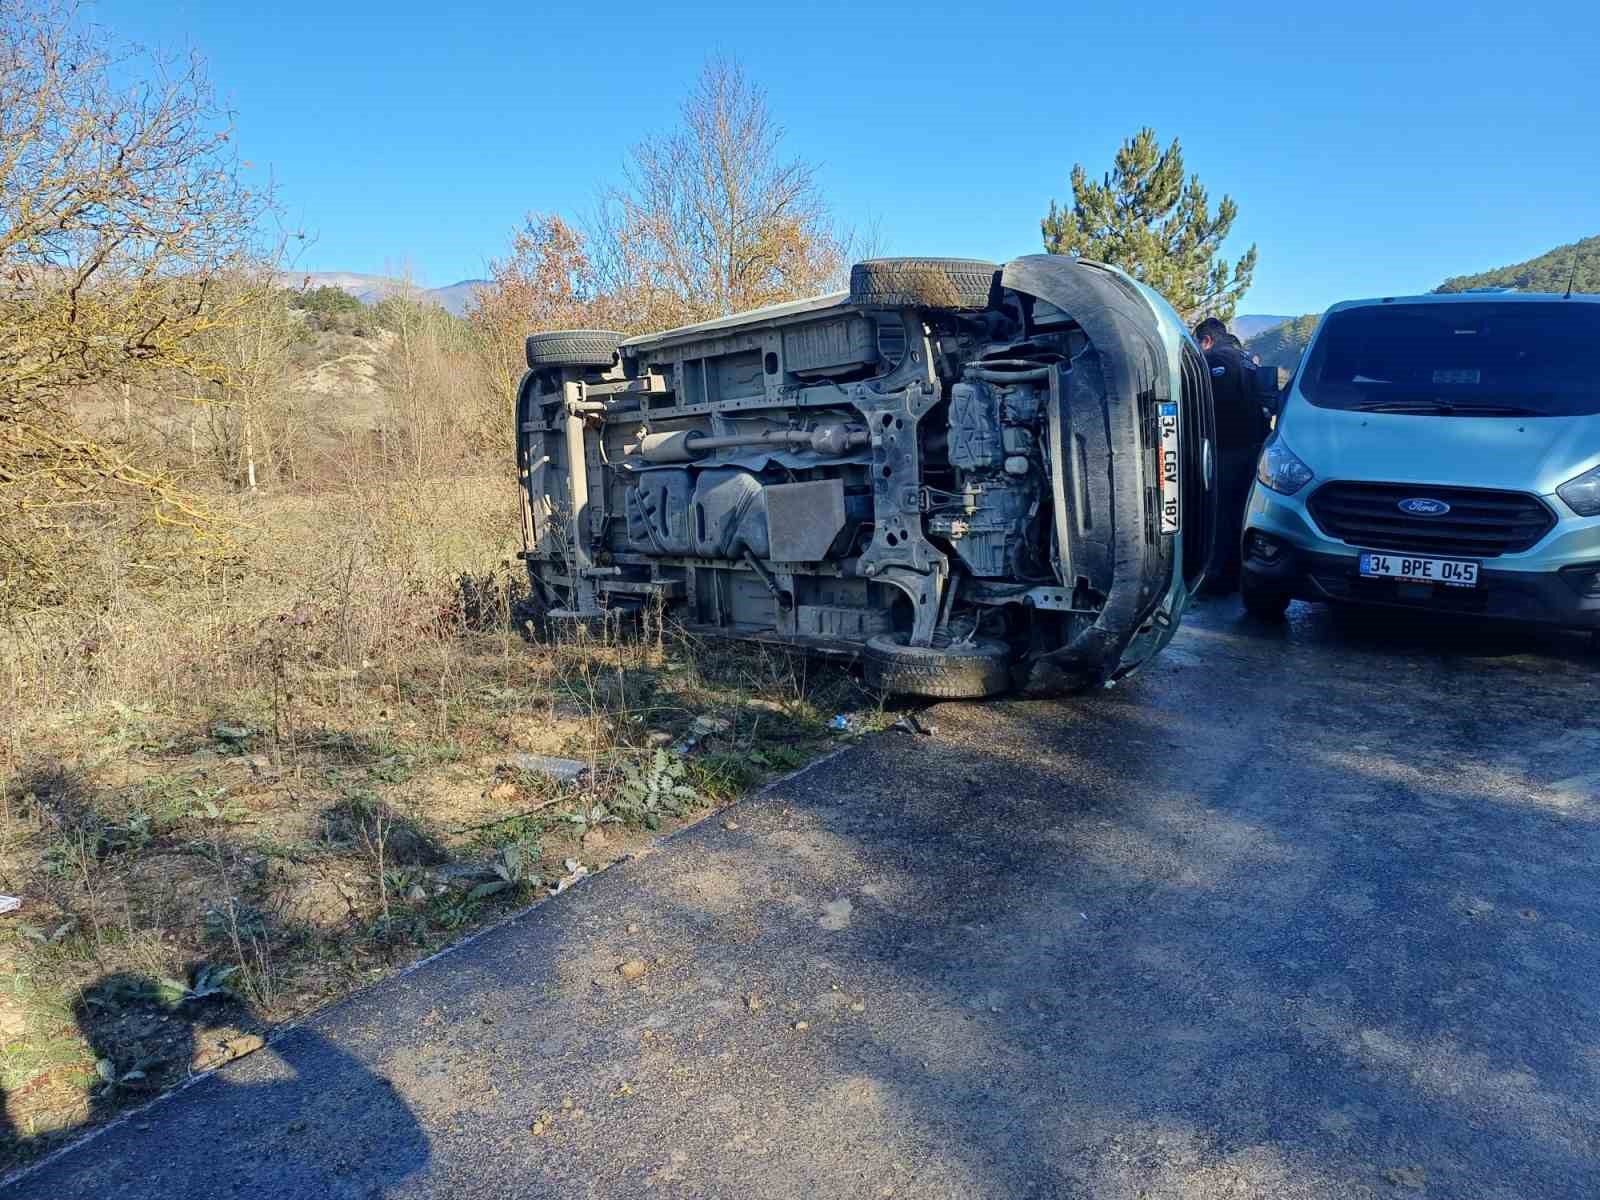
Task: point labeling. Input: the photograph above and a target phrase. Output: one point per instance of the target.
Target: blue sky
(1372, 148)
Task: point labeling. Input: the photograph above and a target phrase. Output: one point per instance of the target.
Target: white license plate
(1453, 572)
(1167, 414)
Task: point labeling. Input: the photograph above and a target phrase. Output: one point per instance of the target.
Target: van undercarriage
(971, 476)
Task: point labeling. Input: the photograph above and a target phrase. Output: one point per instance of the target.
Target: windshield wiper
(1415, 407)
(1496, 410)
(1444, 408)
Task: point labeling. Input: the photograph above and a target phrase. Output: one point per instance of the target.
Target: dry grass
(289, 777)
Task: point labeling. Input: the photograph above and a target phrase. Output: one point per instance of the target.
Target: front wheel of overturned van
(944, 671)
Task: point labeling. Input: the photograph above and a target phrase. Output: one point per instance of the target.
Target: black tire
(923, 283)
(1262, 601)
(962, 671)
(573, 348)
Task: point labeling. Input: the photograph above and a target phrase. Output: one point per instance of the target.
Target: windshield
(1494, 358)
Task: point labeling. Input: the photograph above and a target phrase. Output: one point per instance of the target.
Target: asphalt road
(1308, 912)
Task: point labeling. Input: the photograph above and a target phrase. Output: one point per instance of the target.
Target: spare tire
(573, 348)
(923, 283)
(952, 671)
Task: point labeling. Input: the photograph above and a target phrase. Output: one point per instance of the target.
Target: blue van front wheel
(1261, 600)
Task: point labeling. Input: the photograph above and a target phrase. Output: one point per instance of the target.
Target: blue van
(1437, 452)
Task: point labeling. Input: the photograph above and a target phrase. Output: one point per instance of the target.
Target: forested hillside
(1282, 345)
(1578, 263)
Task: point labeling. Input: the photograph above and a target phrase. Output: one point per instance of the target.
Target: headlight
(1582, 495)
(1280, 470)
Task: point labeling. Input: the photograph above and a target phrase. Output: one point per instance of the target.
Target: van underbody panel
(972, 475)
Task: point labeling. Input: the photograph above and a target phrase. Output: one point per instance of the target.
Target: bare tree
(712, 217)
(437, 409)
(250, 415)
(547, 281)
(121, 206)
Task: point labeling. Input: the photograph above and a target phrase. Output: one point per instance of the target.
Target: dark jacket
(1238, 393)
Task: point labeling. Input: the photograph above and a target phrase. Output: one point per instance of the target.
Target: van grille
(1480, 523)
(1198, 430)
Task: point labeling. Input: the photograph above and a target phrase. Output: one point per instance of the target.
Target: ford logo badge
(1422, 506)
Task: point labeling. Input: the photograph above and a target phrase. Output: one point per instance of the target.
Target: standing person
(1241, 429)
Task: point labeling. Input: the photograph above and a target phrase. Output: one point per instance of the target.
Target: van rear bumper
(1567, 598)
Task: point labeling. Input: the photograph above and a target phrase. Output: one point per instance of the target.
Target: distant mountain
(1547, 273)
(356, 285)
(457, 296)
(1246, 327)
(369, 289)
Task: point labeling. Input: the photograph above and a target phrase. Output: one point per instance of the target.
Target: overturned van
(973, 477)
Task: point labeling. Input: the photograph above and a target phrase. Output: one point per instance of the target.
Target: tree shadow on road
(1188, 943)
(1445, 637)
(278, 1136)
(8, 1131)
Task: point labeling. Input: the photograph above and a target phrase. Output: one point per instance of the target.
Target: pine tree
(1146, 218)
